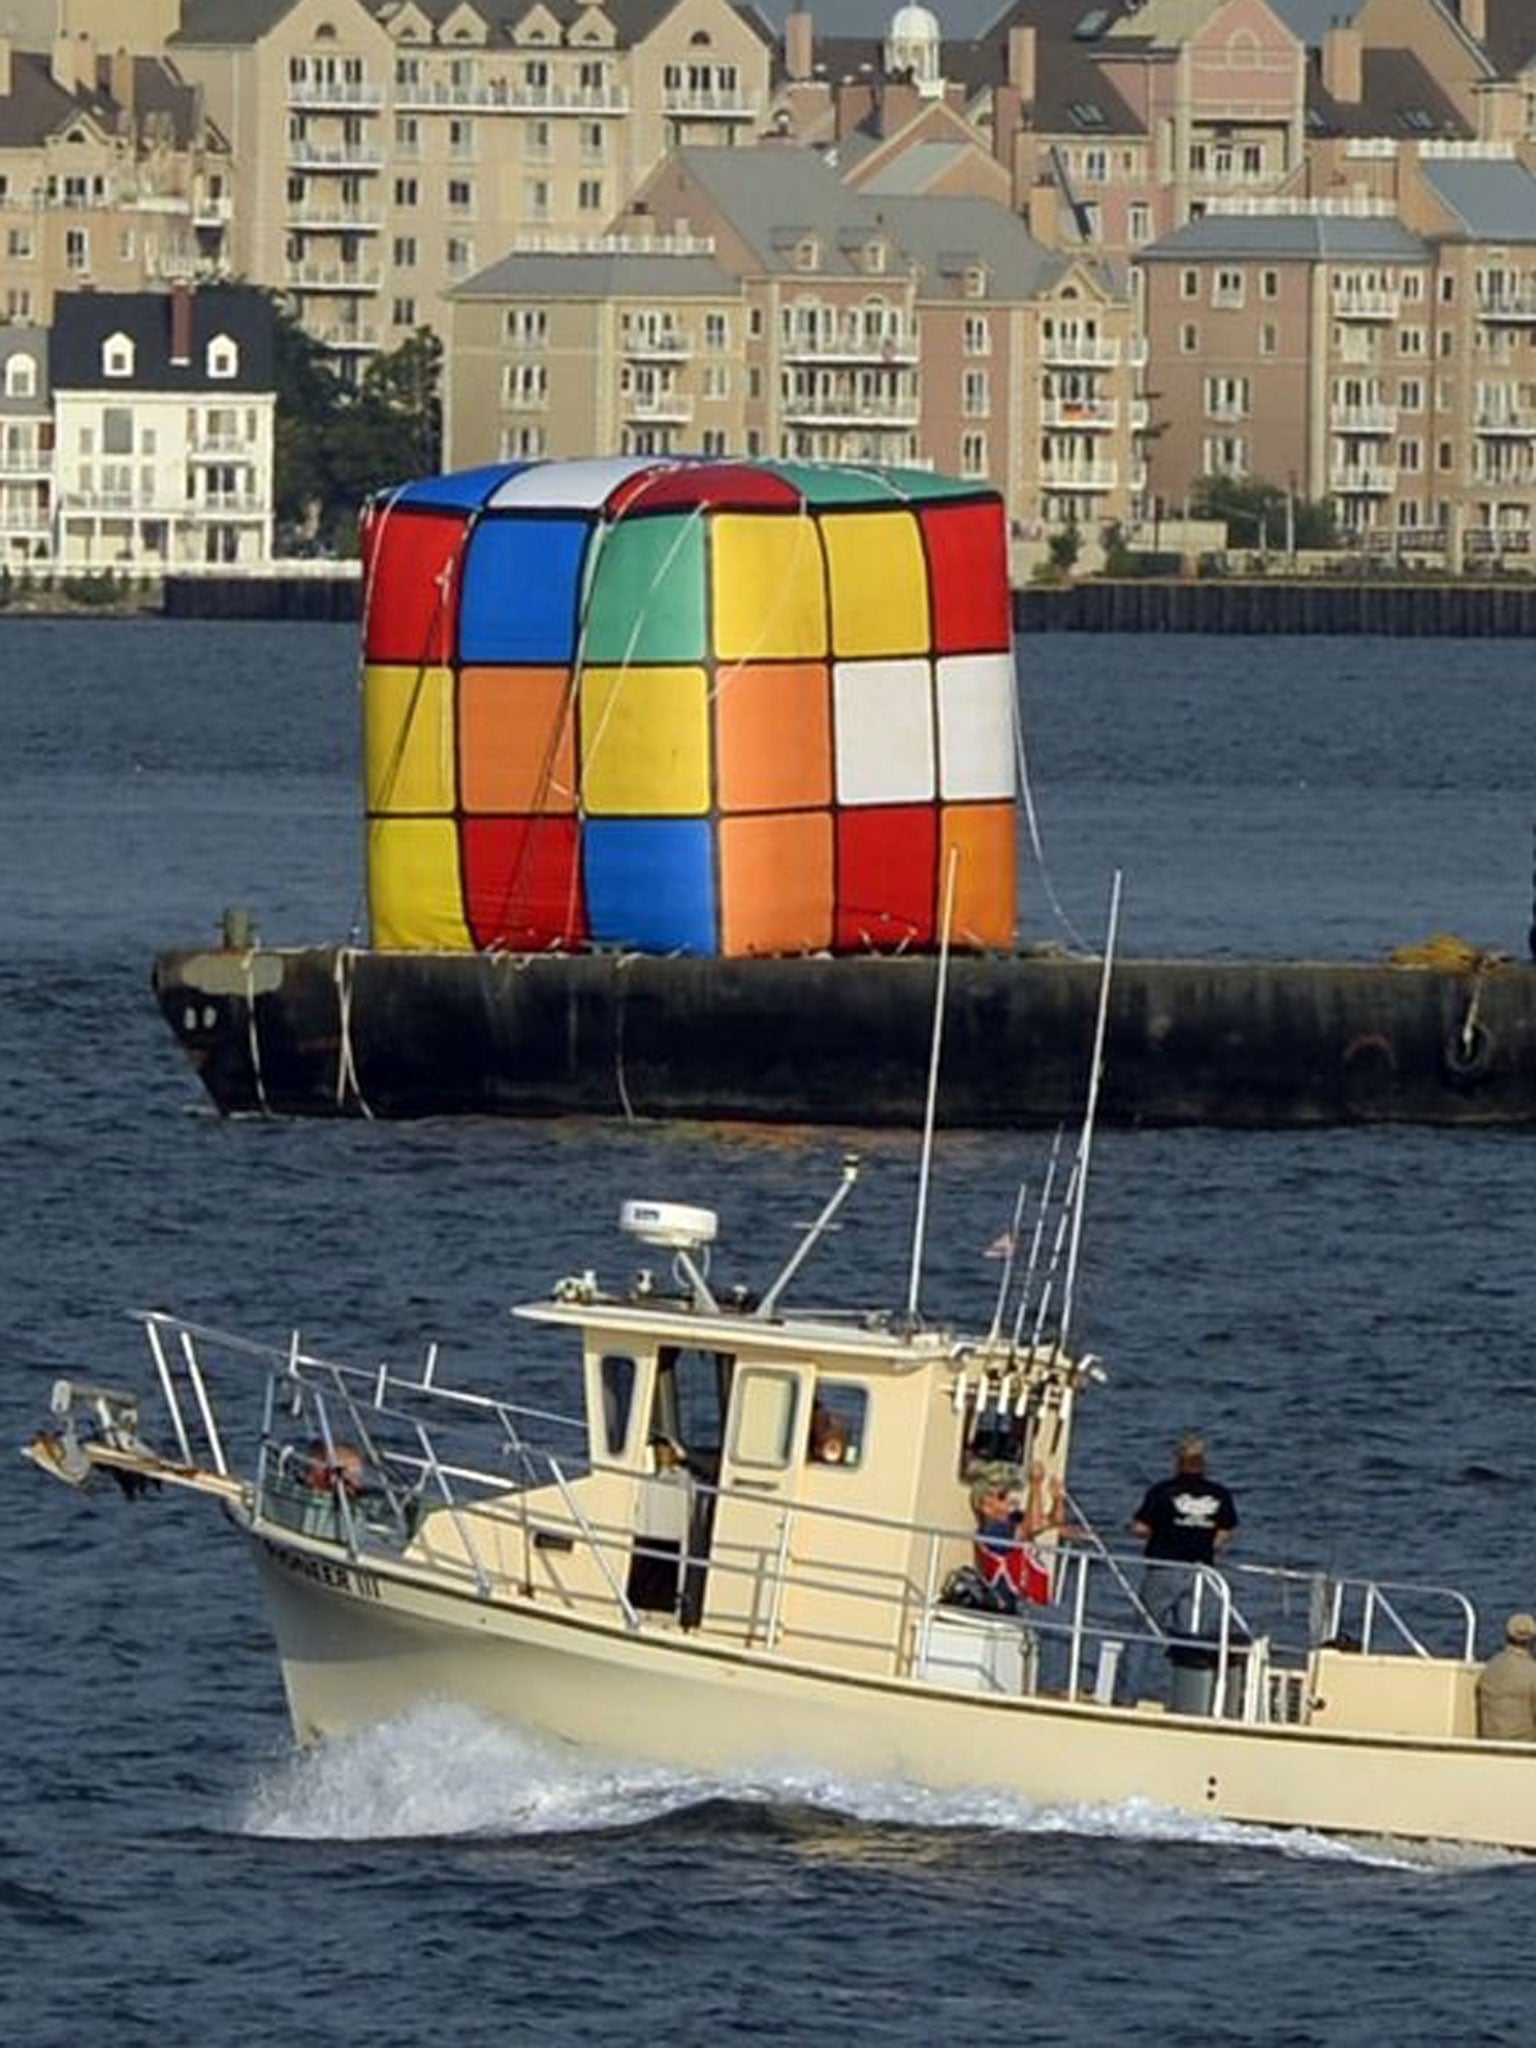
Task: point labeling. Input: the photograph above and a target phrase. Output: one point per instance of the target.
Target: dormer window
(808, 253)
(974, 282)
(21, 376)
(223, 357)
(117, 356)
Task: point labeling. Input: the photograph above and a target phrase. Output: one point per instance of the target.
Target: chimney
(1021, 61)
(1042, 213)
(61, 62)
(85, 63)
(1474, 19)
(122, 80)
(799, 44)
(5, 67)
(1343, 56)
(181, 325)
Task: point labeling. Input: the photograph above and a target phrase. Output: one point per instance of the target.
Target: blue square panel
(651, 883)
(522, 593)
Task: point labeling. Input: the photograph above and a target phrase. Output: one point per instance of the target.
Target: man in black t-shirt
(1183, 1522)
(1188, 1517)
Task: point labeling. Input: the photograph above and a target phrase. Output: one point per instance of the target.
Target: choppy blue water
(1348, 1314)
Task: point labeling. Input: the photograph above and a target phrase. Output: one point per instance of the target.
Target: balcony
(307, 218)
(212, 213)
(1515, 307)
(26, 462)
(347, 338)
(1228, 412)
(672, 406)
(29, 520)
(1507, 421)
(1363, 419)
(831, 410)
(221, 448)
(351, 95)
(706, 104)
(638, 345)
(505, 97)
(1141, 415)
(1079, 476)
(1088, 415)
(324, 277)
(1094, 349)
(847, 348)
(1363, 302)
(1362, 479)
(334, 156)
(243, 504)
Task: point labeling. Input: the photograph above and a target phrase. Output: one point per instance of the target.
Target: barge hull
(338, 1031)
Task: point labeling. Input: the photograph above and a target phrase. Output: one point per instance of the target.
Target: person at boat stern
(1506, 1686)
(1183, 1521)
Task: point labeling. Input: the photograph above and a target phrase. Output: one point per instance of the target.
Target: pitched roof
(1303, 237)
(1399, 97)
(37, 108)
(946, 237)
(1494, 198)
(598, 274)
(771, 206)
(1511, 38)
(229, 21)
(83, 321)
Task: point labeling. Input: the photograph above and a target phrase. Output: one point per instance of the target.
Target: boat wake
(443, 1772)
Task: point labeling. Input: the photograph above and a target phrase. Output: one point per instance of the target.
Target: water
(1348, 1314)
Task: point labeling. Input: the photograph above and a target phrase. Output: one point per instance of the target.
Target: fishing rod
(1090, 1113)
(1039, 1233)
(1009, 1256)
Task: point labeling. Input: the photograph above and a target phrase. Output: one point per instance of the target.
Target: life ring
(1469, 1053)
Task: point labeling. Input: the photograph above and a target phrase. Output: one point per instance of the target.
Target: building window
(1447, 291)
(405, 252)
(525, 386)
(404, 313)
(1227, 288)
(1445, 343)
(717, 331)
(1095, 166)
(117, 356)
(1413, 285)
(1189, 339)
(116, 430)
(18, 302)
(973, 454)
(1226, 398)
(1269, 284)
(717, 380)
(978, 337)
(1269, 338)
(461, 138)
(1410, 395)
(77, 250)
(1410, 456)
(18, 244)
(223, 357)
(712, 441)
(526, 326)
(407, 135)
(1139, 226)
(21, 376)
(589, 195)
(407, 192)
(460, 256)
(594, 142)
(536, 199)
(1189, 284)
(537, 143)
(1410, 341)
(1444, 456)
(460, 195)
(1253, 159)
(1226, 455)
(974, 402)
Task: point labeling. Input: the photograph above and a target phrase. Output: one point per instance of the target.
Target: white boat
(748, 1547)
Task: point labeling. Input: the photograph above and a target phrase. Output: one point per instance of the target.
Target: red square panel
(411, 585)
(968, 567)
(522, 883)
(887, 861)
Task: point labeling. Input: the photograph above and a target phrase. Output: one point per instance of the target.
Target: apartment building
(755, 305)
(386, 153)
(163, 410)
(1329, 348)
(110, 177)
(26, 451)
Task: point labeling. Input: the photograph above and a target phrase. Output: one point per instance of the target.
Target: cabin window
(692, 1392)
(617, 1380)
(764, 1426)
(839, 1411)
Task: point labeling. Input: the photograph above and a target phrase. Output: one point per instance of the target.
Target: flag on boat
(688, 706)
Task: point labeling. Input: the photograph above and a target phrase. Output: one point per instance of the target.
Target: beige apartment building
(386, 153)
(110, 177)
(1330, 349)
(755, 305)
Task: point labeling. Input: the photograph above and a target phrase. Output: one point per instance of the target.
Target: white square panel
(977, 757)
(883, 731)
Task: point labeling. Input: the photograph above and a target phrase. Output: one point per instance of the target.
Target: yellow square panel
(415, 896)
(408, 750)
(767, 587)
(645, 742)
(878, 576)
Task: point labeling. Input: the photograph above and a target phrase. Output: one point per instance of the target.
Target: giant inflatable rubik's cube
(697, 707)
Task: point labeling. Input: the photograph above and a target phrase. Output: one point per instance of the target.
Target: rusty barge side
(338, 1031)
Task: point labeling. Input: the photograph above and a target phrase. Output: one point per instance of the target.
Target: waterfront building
(110, 176)
(386, 154)
(26, 451)
(163, 409)
(754, 304)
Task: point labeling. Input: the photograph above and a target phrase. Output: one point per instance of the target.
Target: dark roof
(229, 21)
(1294, 237)
(1511, 38)
(36, 108)
(83, 321)
(1398, 98)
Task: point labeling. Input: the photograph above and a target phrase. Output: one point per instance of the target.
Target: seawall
(328, 1032)
(1221, 604)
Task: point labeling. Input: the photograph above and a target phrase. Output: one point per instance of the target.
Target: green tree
(1254, 513)
(386, 432)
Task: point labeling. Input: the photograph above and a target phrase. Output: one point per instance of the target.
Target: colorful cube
(688, 706)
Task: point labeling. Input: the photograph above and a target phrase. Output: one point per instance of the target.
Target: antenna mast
(920, 1221)
(1091, 1110)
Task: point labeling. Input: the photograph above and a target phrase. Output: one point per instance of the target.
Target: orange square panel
(986, 878)
(517, 740)
(773, 728)
(776, 883)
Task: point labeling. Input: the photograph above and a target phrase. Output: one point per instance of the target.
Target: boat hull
(335, 1031)
(359, 1646)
